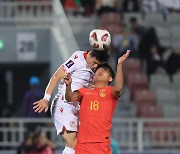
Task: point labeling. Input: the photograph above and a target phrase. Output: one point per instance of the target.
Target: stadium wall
(8, 35)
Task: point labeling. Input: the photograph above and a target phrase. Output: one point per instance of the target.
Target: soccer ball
(100, 39)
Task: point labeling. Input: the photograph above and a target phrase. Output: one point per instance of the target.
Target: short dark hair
(102, 56)
(107, 67)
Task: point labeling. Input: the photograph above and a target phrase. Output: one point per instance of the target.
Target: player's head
(104, 73)
(95, 57)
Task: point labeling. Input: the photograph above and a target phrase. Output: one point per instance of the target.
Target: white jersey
(81, 75)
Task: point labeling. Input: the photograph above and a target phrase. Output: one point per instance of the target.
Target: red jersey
(97, 107)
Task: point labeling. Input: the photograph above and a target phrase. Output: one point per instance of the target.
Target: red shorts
(93, 148)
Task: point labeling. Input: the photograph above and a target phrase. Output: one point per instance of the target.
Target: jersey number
(94, 105)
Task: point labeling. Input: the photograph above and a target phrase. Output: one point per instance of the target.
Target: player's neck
(100, 84)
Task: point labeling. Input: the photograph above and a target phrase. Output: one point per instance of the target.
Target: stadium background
(36, 36)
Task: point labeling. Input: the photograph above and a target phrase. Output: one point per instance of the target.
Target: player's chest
(97, 102)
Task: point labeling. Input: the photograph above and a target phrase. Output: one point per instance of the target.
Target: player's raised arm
(70, 96)
(43, 104)
(119, 75)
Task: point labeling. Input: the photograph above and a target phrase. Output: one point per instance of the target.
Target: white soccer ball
(100, 39)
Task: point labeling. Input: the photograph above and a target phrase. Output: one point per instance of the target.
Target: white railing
(17, 12)
(131, 134)
(14, 130)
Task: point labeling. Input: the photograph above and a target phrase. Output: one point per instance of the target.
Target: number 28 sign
(26, 46)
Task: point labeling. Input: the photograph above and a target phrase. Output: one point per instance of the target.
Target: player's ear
(110, 79)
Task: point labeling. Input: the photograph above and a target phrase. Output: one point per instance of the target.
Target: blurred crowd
(144, 44)
(88, 7)
(142, 40)
(37, 142)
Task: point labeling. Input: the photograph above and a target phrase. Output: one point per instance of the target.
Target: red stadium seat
(137, 81)
(110, 18)
(154, 129)
(113, 29)
(150, 111)
(176, 133)
(159, 131)
(144, 96)
(132, 65)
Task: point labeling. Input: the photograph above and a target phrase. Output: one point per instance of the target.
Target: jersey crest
(102, 93)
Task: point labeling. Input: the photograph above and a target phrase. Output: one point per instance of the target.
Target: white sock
(68, 150)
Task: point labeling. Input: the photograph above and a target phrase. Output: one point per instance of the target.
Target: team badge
(69, 63)
(102, 93)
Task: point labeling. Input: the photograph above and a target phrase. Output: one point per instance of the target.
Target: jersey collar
(85, 54)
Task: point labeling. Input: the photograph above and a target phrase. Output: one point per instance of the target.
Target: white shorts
(64, 115)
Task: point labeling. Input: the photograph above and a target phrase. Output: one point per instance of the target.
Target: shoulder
(83, 90)
(74, 60)
(78, 55)
(109, 88)
(110, 91)
(79, 52)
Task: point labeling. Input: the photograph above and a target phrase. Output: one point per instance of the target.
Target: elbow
(118, 89)
(118, 93)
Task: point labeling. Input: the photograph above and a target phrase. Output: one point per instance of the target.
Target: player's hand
(41, 105)
(68, 79)
(123, 57)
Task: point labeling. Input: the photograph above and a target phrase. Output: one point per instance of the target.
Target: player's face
(103, 75)
(92, 62)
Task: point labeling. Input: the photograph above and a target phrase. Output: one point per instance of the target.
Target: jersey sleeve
(71, 64)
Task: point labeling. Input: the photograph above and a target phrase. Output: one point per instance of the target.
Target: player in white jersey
(80, 65)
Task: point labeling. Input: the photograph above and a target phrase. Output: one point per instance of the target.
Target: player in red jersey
(97, 107)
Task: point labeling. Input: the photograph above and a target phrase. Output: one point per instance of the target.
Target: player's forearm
(69, 93)
(58, 75)
(118, 81)
(72, 96)
(51, 85)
